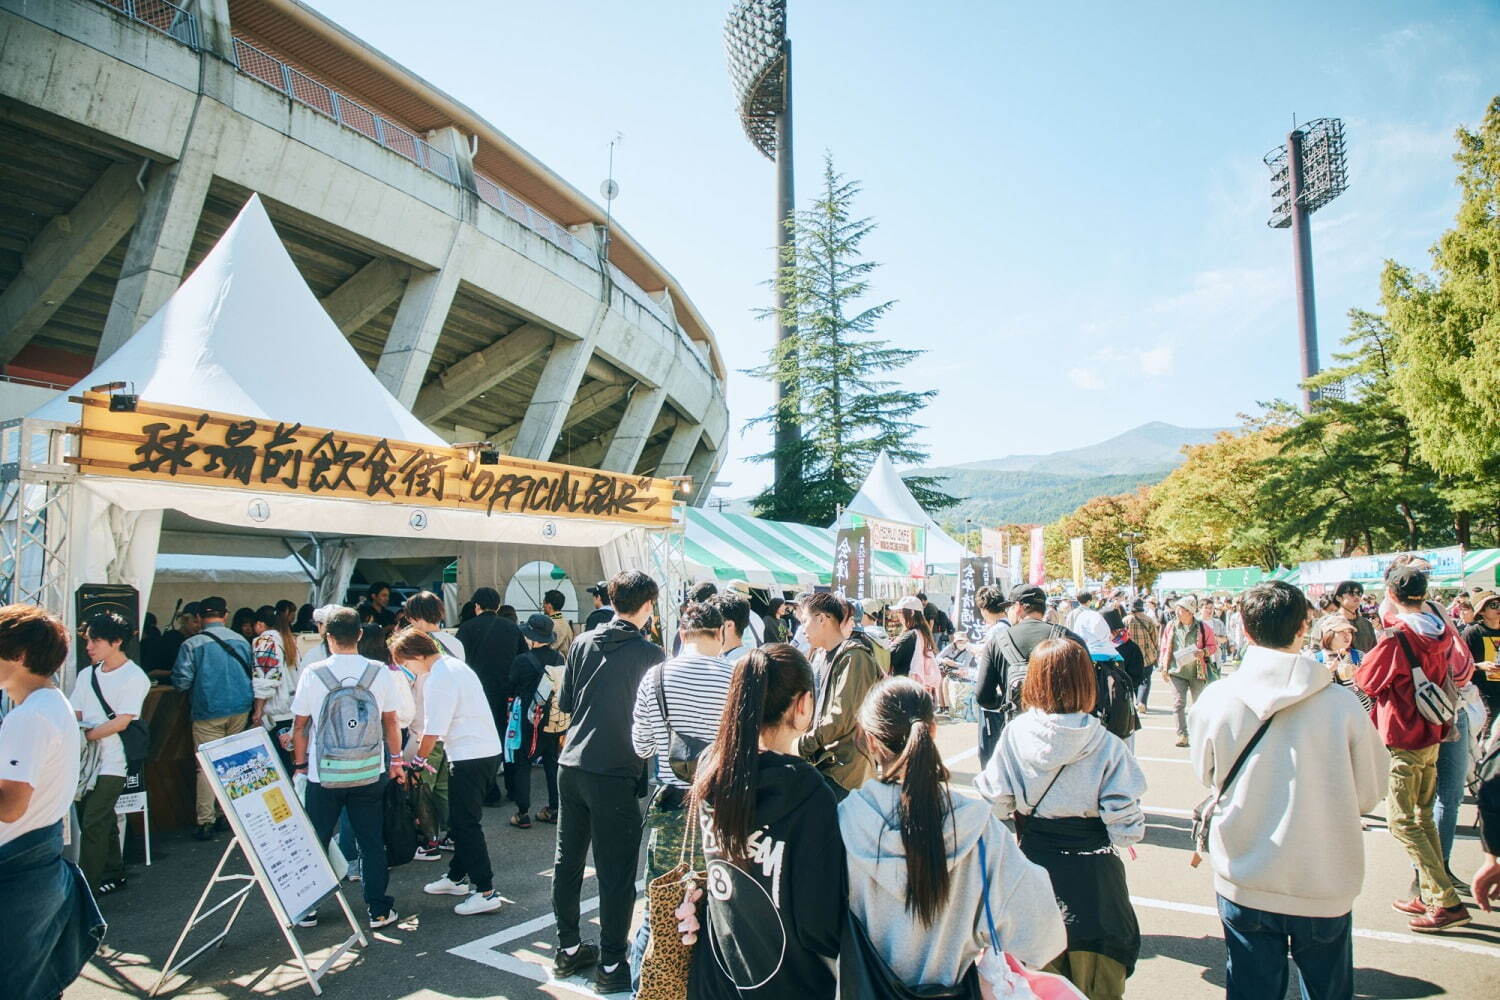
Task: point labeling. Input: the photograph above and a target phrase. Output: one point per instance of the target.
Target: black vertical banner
(973, 572)
(853, 577)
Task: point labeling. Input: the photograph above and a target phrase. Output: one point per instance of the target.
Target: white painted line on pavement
(482, 950)
(971, 752)
(1166, 760)
(1468, 947)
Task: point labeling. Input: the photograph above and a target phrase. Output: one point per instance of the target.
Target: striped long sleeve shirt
(694, 689)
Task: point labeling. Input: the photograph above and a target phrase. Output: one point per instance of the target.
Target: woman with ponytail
(914, 849)
(776, 891)
(1075, 791)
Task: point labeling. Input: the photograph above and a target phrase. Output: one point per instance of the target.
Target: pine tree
(834, 368)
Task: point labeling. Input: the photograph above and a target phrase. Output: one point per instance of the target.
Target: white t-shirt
(311, 691)
(457, 712)
(125, 689)
(40, 744)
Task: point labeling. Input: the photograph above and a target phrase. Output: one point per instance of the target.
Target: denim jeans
(1259, 942)
(1452, 768)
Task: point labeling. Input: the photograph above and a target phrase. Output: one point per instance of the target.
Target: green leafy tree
(1448, 325)
(1348, 476)
(1208, 511)
(1100, 522)
(836, 371)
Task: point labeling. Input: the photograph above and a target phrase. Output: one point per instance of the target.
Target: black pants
(603, 810)
(366, 807)
(990, 724)
(467, 781)
(518, 772)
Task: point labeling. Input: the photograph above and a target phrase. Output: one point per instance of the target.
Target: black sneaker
(617, 980)
(205, 831)
(564, 965)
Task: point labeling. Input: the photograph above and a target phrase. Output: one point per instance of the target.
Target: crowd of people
(790, 765)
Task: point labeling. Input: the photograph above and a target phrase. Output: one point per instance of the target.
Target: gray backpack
(351, 738)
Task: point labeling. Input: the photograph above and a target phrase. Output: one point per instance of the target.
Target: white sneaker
(479, 902)
(308, 919)
(378, 922)
(445, 886)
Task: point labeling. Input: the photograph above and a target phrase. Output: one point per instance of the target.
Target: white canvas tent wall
(244, 334)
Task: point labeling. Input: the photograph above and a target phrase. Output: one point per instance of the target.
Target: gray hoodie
(1027, 919)
(1099, 776)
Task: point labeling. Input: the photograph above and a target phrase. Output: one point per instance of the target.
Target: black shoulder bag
(234, 653)
(683, 750)
(1203, 814)
(136, 738)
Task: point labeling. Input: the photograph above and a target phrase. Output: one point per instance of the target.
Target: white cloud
(1085, 378)
(1158, 361)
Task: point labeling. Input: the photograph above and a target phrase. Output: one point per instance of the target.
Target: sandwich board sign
(272, 830)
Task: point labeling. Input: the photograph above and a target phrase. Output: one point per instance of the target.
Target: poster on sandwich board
(268, 819)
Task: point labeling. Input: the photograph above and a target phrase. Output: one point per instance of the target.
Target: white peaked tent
(243, 334)
(885, 496)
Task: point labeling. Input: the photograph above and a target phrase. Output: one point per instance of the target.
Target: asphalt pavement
(433, 953)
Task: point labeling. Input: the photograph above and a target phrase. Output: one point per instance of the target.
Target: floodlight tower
(760, 69)
(1306, 174)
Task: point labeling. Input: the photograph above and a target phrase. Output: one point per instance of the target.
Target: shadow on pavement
(1208, 954)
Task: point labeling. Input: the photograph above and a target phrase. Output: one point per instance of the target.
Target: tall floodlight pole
(760, 68)
(1306, 174)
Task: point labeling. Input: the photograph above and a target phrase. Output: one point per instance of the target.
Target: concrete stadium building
(477, 284)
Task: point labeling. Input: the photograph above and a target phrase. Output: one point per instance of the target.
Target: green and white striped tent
(1482, 568)
(774, 554)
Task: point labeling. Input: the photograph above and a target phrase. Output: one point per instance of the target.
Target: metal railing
(501, 199)
(170, 19)
(304, 89)
(175, 21)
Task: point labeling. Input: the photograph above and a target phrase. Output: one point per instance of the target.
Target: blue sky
(1071, 200)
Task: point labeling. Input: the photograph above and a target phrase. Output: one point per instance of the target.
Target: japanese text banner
(202, 448)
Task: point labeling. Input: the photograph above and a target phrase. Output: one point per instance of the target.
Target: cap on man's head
(190, 608)
(600, 589)
(1030, 595)
(1407, 583)
(539, 628)
(213, 607)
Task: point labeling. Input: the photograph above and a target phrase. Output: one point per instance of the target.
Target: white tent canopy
(885, 496)
(243, 334)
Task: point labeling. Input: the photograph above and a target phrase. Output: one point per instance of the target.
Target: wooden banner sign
(202, 448)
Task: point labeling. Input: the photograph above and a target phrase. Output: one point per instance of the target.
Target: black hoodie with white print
(773, 921)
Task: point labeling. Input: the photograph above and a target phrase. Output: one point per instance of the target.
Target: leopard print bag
(667, 961)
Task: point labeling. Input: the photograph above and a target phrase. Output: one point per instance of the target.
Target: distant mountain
(1031, 497)
(1037, 489)
(1148, 447)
